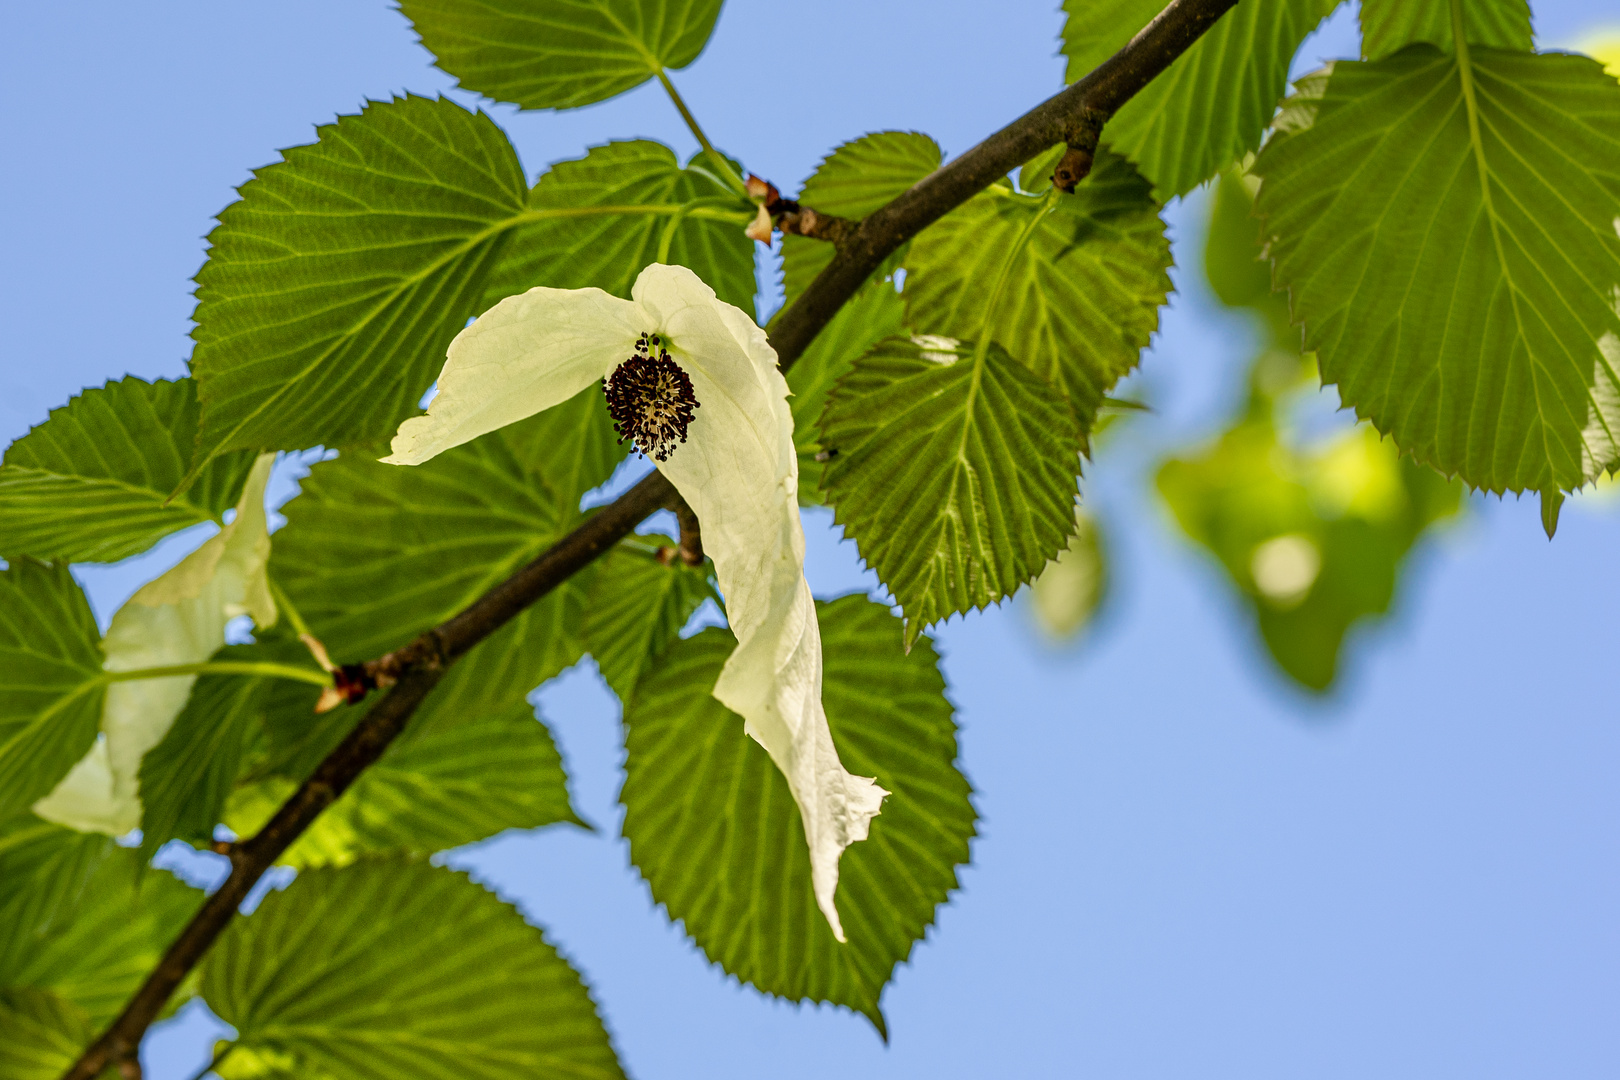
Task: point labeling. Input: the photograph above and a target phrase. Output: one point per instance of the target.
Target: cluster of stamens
(650, 399)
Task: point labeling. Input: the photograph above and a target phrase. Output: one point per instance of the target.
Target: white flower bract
(178, 618)
(737, 470)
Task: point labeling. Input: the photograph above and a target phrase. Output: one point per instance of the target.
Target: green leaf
(92, 483)
(714, 830)
(50, 680)
(395, 970)
(45, 869)
(872, 314)
(574, 443)
(186, 779)
(82, 919)
(1212, 105)
(953, 470)
(637, 607)
(473, 762)
(440, 786)
(1453, 257)
(1084, 278)
(853, 181)
(560, 54)
(1313, 540)
(41, 1034)
(1388, 26)
(374, 554)
(619, 208)
(1071, 588)
(334, 285)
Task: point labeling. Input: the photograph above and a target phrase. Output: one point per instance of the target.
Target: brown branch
(1074, 116)
(690, 550)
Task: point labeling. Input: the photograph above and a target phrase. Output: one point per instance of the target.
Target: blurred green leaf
(1388, 26)
(1313, 536)
(50, 680)
(78, 916)
(560, 54)
(637, 607)
(1082, 278)
(1071, 588)
(714, 830)
(1489, 350)
(857, 178)
(619, 208)
(953, 470)
(41, 1034)
(872, 314)
(1212, 105)
(92, 483)
(395, 970)
(334, 285)
(1314, 540)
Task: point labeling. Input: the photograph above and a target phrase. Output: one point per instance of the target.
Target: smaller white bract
(175, 619)
(693, 380)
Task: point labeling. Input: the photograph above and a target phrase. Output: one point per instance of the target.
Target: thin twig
(1074, 116)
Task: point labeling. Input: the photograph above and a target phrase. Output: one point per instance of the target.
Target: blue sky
(1186, 867)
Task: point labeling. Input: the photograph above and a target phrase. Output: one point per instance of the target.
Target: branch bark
(1075, 116)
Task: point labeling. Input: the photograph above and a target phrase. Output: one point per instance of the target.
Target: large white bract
(173, 620)
(738, 471)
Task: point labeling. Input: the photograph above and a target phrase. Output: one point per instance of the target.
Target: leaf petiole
(727, 173)
(223, 667)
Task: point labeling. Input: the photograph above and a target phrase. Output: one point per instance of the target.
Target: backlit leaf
(397, 970)
(637, 607)
(334, 285)
(92, 483)
(953, 471)
(619, 208)
(1081, 294)
(715, 832)
(854, 180)
(1454, 265)
(560, 54)
(1212, 105)
(50, 680)
(1388, 26)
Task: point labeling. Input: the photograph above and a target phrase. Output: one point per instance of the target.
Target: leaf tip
(1552, 500)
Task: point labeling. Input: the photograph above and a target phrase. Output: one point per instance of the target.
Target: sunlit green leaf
(621, 207)
(92, 483)
(560, 54)
(714, 829)
(50, 680)
(1455, 264)
(953, 470)
(637, 607)
(395, 970)
(473, 762)
(874, 313)
(854, 180)
(1212, 105)
(374, 554)
(1076, 280)
(1388, 26)
(334, 285)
